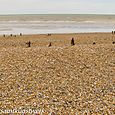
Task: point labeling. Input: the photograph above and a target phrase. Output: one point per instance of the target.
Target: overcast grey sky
(57, 6)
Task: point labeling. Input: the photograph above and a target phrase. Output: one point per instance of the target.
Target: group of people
(12, 35)
(113, 32)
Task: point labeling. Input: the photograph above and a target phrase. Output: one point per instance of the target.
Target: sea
(56, 23)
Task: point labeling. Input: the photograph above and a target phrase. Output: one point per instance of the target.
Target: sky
(57, 6)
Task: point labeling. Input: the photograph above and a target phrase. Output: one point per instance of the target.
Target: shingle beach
(61, 79)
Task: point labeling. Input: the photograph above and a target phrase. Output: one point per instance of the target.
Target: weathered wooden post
(50, 44)
(29, 44)
(113, 42)
(94, 43)
(72, 42)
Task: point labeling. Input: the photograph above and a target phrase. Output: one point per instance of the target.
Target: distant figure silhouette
(72, 42)
(29, 44)
(11, 35)
(4, 35)
(20, 34)
(50, 44)
(49, 34)
(112, 32)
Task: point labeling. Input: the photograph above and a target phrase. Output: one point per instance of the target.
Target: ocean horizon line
(55, 14)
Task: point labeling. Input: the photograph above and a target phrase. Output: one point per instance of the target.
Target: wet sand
(62, 78)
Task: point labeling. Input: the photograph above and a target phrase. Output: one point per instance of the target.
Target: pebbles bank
(62, 79)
